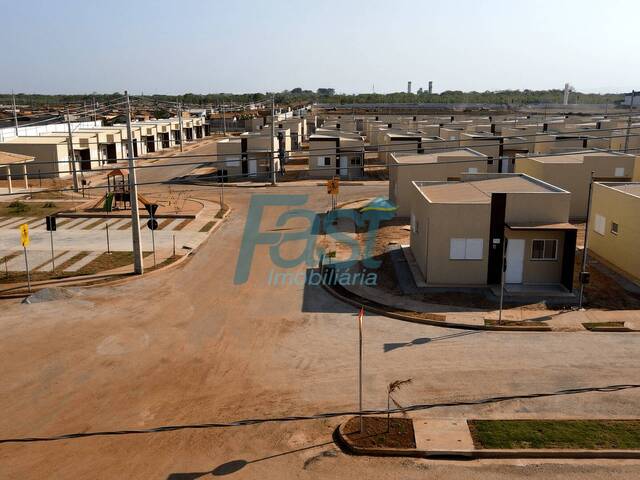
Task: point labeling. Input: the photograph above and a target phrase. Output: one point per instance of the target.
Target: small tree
(393, 387)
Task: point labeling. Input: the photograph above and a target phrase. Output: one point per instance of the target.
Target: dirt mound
(49, 295)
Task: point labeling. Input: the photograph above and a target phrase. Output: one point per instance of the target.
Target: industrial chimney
(409, 87)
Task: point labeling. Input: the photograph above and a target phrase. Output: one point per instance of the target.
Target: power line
(326, 415)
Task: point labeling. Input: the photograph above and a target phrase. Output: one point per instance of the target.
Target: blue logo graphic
(366, 219)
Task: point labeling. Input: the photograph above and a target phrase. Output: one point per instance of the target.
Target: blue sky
(246, 46)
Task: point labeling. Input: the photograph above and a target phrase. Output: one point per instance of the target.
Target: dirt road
(189, 346)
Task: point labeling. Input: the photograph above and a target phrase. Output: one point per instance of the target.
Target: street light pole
(72, 156)
(180, 126)
(138, 266)
(626, 140)
(583, 269)
(15, 112)
(272, 167)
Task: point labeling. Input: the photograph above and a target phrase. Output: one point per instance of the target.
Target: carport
(15, 160)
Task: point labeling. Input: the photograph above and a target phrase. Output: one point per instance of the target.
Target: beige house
(50, 154)
(614, 226)
(572, 172)
(405, 168)
(458, 230)
(338, 154)
(247, 156)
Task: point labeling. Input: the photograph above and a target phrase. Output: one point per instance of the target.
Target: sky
(210, 46)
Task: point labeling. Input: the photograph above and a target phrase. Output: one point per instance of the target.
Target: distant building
(629, 96)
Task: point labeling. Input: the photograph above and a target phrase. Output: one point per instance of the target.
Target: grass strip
(556, 434)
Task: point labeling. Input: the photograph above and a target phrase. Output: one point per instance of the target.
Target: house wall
(621, 250)
(540, 271)
(548, 207)
(44, 154)
(575, 177)
(447, 221)
(401, 175)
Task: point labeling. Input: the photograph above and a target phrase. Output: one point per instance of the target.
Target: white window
(544, 249)
(472, 170)
(599, 224)
(619, 172)
(465, 249)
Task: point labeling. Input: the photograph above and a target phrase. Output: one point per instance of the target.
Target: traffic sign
(152, 224)
(24, 235)
(333, 186)
(151, 208)
(51, 223)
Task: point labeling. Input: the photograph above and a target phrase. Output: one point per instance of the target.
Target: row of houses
(98, 145)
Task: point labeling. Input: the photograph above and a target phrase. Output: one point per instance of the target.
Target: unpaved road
(189, 346)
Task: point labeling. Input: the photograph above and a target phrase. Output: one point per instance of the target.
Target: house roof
(630, 188)
(479, 191)
(577, 157)
(8, 158)
(38, 140)
(434, 157)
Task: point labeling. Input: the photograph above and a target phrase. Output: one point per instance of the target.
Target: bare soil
(398, 433)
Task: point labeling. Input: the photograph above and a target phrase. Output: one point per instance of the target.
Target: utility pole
(626, 140)
(272, 168)
(180, 126)
(583, 269)
(72, 156)
(224, 121)
(138, 266)
(15, 112)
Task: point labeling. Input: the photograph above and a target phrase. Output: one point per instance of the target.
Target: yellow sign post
(24, 239)
(333, 188)
(24, 234)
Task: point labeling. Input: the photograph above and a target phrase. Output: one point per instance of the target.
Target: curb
(438, 320)
(482, 453)
(128, 277)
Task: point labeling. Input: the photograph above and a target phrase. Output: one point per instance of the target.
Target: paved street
(189, 346)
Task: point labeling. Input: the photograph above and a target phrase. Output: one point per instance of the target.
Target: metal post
(180, 126)
(108, 243)
(53, 262)
(15, 112)
(626, 140)
(26, 264)
(72, 157)
(360, 315)
(153, 238)
(272, 166)
(503, 268)
(586, 242)
(224, 121)
(138, 267)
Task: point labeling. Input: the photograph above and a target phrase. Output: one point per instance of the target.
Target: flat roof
(36, 139)
(432, 157)
(479, 191)
(8, 158)
(630, 188)
(576, 157)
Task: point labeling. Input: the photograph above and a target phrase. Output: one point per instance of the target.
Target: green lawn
(567, 434)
